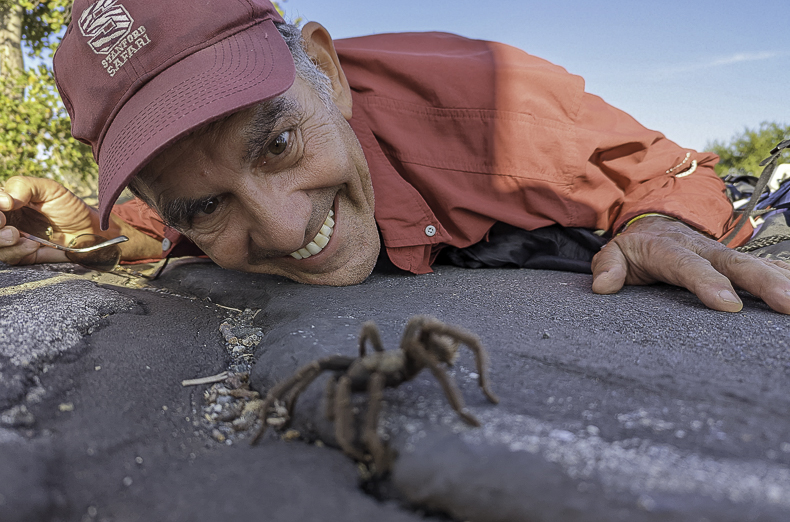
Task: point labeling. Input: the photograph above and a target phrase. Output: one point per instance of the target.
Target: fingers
(770, 281)
(55, 206)
(672, 253)
(644, 259)
(686, 268)
(609, 267)
(12, 251)
(8, 235)
(6, 204)
(30, 191)
(15, 250)
(18, 192)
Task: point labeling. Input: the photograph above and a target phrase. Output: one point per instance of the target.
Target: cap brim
(232, 74)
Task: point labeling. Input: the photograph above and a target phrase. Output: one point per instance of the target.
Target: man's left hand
(655, 249)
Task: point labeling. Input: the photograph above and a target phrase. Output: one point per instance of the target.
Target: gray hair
(306, 69)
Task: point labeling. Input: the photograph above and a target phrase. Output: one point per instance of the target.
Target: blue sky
(697, 71)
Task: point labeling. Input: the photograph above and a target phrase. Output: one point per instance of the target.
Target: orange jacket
(460, 134)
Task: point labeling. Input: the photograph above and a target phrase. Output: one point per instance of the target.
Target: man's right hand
(68, 214)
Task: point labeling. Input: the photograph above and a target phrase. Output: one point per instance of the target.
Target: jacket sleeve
(143, 218)
(642, 171)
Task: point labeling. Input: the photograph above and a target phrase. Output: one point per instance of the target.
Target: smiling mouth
(319, 241)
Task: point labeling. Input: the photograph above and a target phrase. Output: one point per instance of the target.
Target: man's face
(259, 191)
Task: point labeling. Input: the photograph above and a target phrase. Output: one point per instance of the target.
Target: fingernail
(5, 199)
(728, 296)
(7, 235)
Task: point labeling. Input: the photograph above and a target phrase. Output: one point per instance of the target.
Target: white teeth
(320, 240)
(313, 248)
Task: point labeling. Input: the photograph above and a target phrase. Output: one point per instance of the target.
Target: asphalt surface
(639, 406)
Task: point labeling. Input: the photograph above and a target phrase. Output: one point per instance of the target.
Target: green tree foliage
(36, 131)
(43, 23)
(36, 138)
(744, 152)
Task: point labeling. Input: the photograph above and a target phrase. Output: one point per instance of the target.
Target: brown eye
(210, 206)
(279, 144)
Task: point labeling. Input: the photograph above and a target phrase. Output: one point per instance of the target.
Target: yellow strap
(640, 216)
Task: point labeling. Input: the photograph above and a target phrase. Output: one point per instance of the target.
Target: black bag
(550, 248)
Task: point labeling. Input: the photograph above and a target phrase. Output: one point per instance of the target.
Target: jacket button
(430, 231)
(165, 244)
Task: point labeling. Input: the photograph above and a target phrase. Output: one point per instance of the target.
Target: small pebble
(291, 435)
(127, 481)
(18, 416)
(647, 503)
(66, 406)
(275, 421)
(562, 435)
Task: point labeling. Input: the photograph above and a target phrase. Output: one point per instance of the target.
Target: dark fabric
(772, 241)
(549, 248)
(740, 187)
(780, 198)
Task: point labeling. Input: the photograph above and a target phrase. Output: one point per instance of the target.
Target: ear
(321, 49)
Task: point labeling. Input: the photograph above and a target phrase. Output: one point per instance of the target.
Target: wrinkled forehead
(247, 130)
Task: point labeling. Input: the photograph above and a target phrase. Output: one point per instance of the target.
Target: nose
(277, 219)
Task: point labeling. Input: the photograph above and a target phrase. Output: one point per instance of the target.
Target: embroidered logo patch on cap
(108, 27)
(138, 75)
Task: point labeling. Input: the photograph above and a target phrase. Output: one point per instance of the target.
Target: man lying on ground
(263, 146)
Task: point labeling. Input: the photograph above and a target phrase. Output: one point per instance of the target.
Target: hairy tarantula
(426, 342)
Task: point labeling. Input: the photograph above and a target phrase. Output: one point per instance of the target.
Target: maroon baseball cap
(137, 75)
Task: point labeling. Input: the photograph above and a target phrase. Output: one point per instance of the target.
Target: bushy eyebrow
(178, 213)
(265, 119)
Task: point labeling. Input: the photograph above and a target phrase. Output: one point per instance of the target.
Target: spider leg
(370, 333)
(307, 372)
(335, 363)
(450, 390)
(413, 327)
(382, 456)
(261, 411)
(344, 419)
(473, 343)
(298, 388)
(329, 398)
